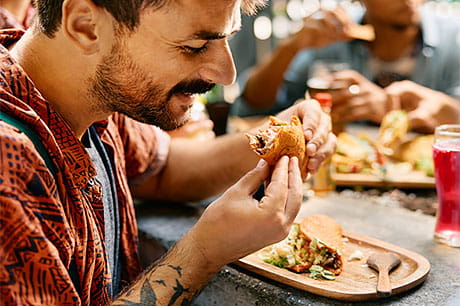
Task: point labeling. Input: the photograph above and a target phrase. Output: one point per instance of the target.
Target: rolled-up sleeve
(146, 149)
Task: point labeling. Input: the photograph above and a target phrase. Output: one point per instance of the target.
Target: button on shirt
(49, 225)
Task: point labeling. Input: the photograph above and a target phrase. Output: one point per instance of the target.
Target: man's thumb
(251, 181)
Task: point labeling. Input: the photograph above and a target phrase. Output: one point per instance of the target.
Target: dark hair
(125, 12)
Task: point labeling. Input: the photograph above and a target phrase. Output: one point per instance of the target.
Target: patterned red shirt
(45, 224)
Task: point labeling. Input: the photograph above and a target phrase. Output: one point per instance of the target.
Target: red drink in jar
(446, 156)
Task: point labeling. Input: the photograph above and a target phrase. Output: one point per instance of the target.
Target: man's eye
(193, 50)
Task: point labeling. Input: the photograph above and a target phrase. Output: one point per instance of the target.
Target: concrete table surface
(161, 228)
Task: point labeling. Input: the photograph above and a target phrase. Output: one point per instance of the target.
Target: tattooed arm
(233, 226)
(174, 280)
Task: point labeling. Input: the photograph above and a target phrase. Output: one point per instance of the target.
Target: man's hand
(237, 224)
(317, 129)
(426, 108)
(361, 100)
(323, 28)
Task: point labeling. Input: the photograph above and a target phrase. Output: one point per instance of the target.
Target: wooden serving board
(357, 282)
(413, 179)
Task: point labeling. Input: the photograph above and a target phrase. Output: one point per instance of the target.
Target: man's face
(177, 51)
(400, 13)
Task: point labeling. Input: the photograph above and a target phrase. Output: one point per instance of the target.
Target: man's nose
(219, 67)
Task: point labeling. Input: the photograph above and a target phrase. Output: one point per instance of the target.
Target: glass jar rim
(452, 130)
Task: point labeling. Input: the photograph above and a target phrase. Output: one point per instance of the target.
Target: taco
(312, 246)
(280, 138)
(323, 236)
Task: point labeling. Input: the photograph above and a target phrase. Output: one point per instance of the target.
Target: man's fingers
(250, 182)
(320, 137)
(294, 199)
(310, 117)
(323, 153)
(276, 191)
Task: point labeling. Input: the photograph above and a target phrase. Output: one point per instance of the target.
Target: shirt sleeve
(32, 228)
(31, 271)
(146, 149)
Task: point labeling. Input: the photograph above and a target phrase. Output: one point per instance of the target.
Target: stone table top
(235, 286)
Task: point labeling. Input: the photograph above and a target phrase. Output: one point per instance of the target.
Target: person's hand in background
(323, 28)
(426, 108)
(319, 30)
(360, 100)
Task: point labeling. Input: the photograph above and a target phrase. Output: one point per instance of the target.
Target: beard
(121, 85)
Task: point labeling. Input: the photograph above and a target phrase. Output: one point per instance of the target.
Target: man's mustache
(192, 87)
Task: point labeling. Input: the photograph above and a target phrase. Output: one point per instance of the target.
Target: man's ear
(82, 22)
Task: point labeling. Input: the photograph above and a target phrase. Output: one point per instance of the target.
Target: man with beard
(412, 64)
(79, 91)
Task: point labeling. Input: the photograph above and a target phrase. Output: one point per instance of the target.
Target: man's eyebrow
(208, 35)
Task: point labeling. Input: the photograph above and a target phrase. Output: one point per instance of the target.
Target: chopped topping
(317, 271)
(356, 255)
(296, 254)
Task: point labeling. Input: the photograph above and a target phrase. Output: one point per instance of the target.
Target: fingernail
(261, 163)
(311, 148)
(308, 134)
(312, 165)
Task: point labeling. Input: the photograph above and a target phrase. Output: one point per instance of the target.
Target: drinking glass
(320, 77)
(321, 80)
(446, 156)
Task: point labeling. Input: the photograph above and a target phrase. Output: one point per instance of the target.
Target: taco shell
(325, 232)
(280, 138)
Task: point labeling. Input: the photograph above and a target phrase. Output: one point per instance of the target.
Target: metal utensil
(383, 263)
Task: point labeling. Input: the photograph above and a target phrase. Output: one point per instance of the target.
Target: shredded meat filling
(266, 139)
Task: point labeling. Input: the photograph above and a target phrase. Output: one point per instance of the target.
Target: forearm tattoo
(147, 295)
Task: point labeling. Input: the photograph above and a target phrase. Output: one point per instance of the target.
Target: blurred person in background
(88, 81)
(413, 64)
(16, 14)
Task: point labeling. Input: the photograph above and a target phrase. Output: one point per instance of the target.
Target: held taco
(280, 138)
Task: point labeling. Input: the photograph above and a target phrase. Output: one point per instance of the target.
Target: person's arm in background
(321, 29)
(196, 129)
(426, 108)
